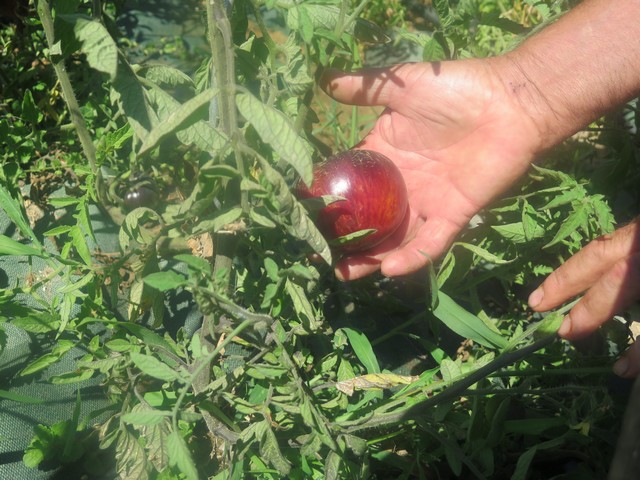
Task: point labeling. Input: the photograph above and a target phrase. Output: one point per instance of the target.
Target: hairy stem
(89, 149)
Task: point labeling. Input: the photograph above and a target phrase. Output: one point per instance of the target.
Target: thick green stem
(223, 78)
(450, 394)
(44, 12)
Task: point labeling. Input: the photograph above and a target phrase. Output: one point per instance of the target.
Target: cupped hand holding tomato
(459, 140)
(462, 132)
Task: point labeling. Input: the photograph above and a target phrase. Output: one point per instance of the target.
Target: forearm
(577, 68)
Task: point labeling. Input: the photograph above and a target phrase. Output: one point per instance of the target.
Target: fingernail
(621, 366)
(536, 297)
(565, 328)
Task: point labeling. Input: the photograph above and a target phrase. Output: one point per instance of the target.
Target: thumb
(366, 87)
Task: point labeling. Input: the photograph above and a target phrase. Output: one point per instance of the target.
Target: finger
(617, 289)
(629, 364)
(585, 268)
(370, 86)
(431, 241)
(357, 266)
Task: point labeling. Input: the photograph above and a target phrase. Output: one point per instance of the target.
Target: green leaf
(9, 246)
(30, 111)
(276, 130)
(101, 50)
(514, 232)
(164, 281)
(300, 225)
(432, 51)
(48, 359)
(221, 221)
(16, 397)
(301, 304)
(200, 133)
(549, 324)
(195, 263)
(482, 253)
(16, 214)
(180, 456)
(176, 119)
(167, 75)
(153, 367)
(77, 286)
(326, 17)
(79, 242)
(36, 322)
(363, 349)
(332, 466)
(352, 237)
(570, 225)
(270, 451)
(450, 370)
(145, 417)
(466, 324)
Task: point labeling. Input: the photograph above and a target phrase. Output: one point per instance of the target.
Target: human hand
(607, 271)
(459, 139)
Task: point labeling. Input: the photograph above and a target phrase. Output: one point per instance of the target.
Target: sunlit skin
(463, 132)
(374, 192)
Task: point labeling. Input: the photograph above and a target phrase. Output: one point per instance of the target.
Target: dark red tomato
(141, 196)
(375, 197)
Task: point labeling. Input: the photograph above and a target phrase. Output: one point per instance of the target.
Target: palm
(458, 143)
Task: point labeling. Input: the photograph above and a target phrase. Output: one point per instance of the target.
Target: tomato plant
(190, 336)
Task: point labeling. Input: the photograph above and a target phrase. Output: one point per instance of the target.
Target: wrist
(576, 69)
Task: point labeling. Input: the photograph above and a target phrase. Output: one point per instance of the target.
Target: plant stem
(44, 12)
(451, 393)
(223, 78)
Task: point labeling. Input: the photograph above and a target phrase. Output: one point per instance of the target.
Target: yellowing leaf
(374, 381)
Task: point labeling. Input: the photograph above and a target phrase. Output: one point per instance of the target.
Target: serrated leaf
(301, 304)
(449, 370)
(432, 51)
(332, 466)
(145, 417)
(221, 221)
(164, 281)
(48, 359)
(37, 322)
(326, 17)
(270, 451)
(466, 324)
(165, 74)
(153, 367)
(130, 456)
(196, 263)
(16, 214)
(97, 44)
(570, 225)
(30, 111)
(482, 253)
(374, 381)
(79, 242)
(180, 456)
(276, 130)
(176, 119)
(300, 225)
(77, 286)
(514, 232)
(363, 349)
(129, 94)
